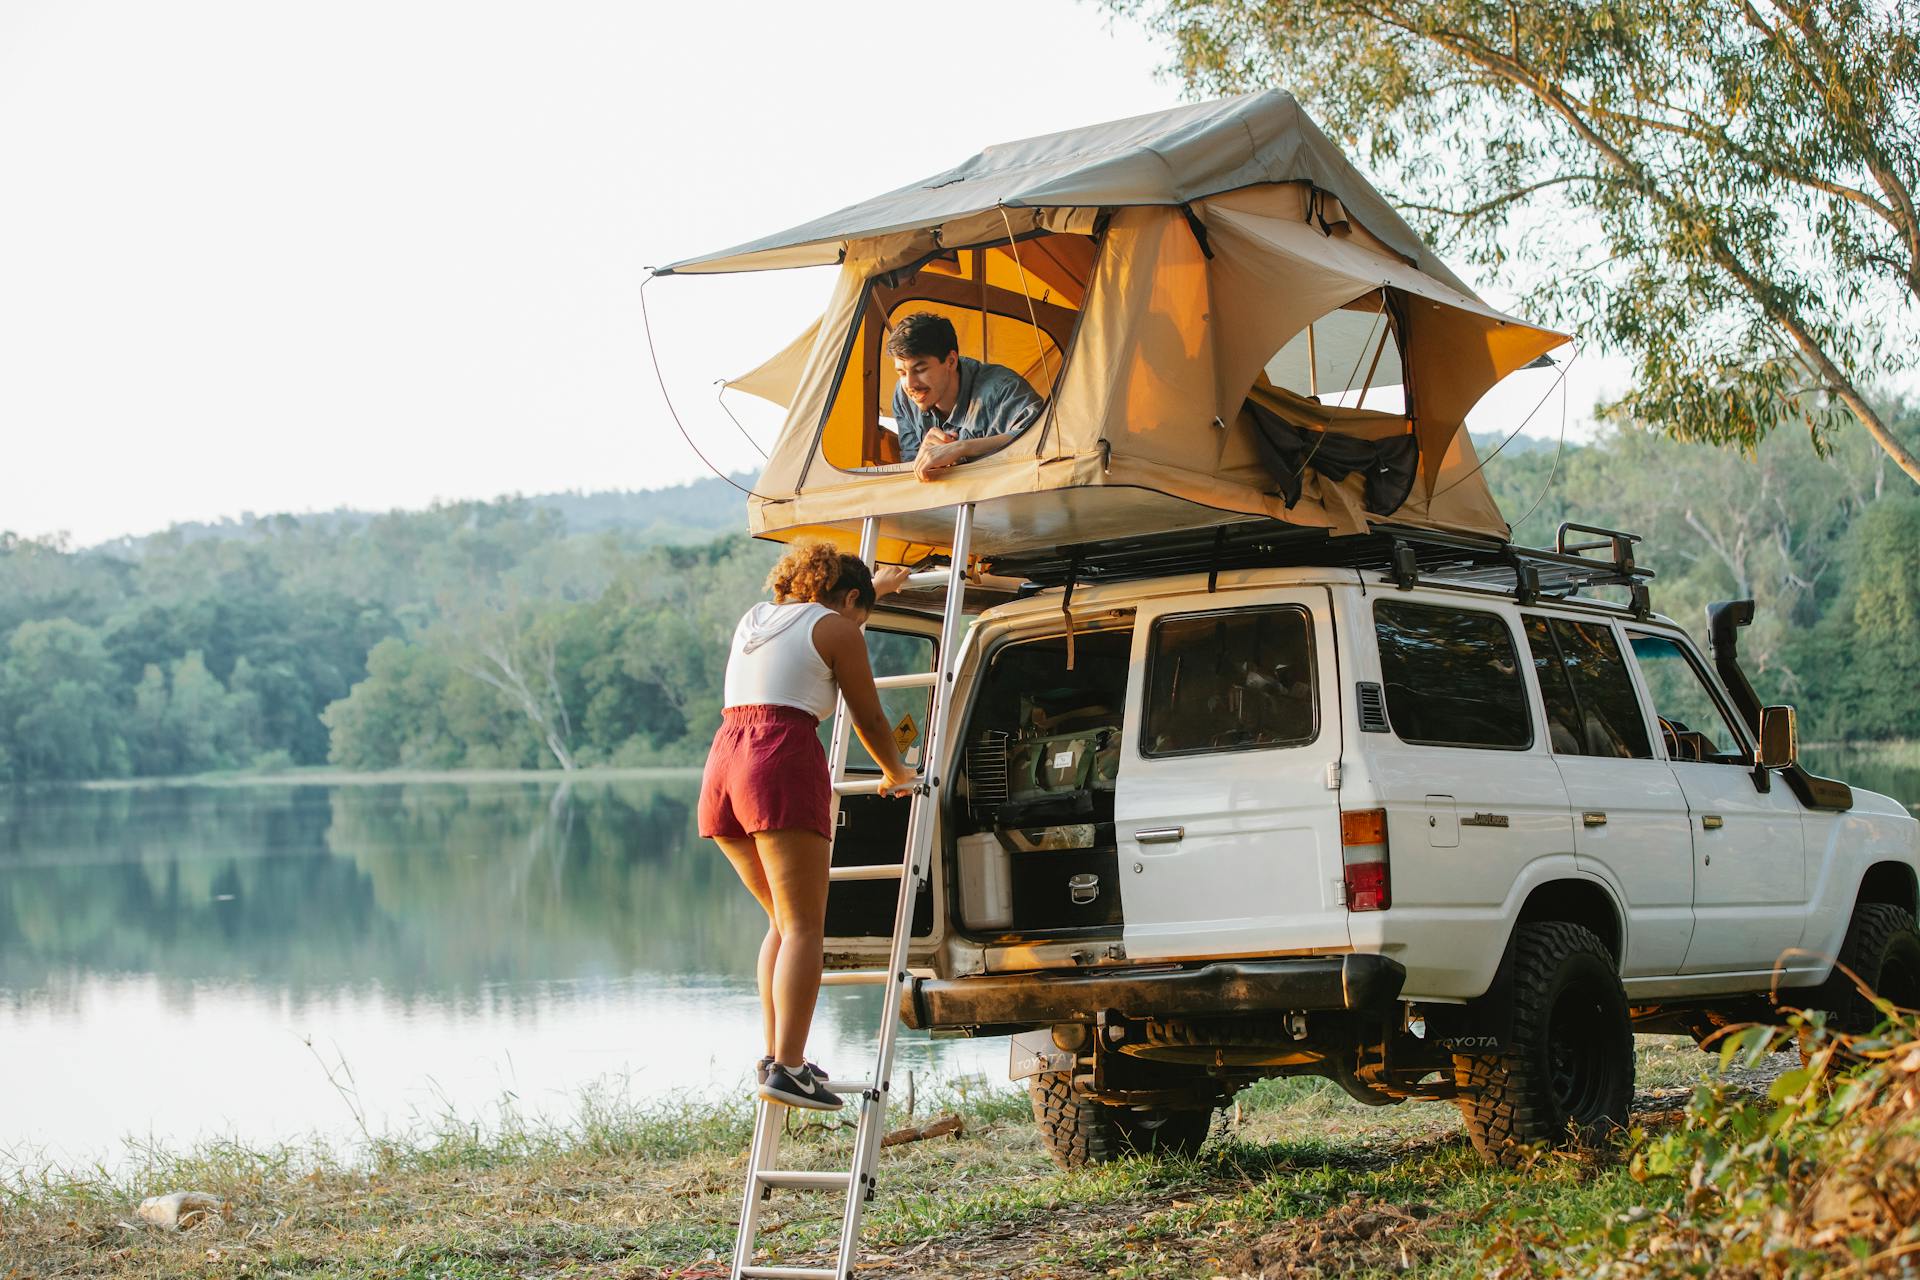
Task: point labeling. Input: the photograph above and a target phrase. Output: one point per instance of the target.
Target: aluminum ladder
(857, 1184)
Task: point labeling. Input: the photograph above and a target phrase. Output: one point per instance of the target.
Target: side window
(1233, 680)
(1590, 703)
(1691, 721)
(1452, 677)
(897, 653)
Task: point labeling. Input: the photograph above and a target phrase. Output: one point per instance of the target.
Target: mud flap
(1033, 1053)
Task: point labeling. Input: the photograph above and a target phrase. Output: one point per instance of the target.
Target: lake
(273, 961)
(184, 963)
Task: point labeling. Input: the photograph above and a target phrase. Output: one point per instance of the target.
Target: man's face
(930, 380)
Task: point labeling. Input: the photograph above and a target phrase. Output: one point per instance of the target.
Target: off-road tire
(1882, 946)
(1080, 1132)
(1567, 1074)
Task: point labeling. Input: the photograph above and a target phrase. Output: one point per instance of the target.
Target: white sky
(286, 257)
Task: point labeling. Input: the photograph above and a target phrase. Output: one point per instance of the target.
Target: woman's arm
(844, 648)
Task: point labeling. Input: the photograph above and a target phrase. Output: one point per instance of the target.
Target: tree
(1744, 171)
(1877, 627)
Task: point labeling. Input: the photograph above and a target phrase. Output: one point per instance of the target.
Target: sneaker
(760, 1070)
(799, 1087)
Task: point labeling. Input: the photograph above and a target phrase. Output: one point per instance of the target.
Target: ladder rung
(878, 871)
(849, 1088)
(789, 1273)
(853, 977)
(912, 680)
(930, 578)
(805, 1179)
(858, 786)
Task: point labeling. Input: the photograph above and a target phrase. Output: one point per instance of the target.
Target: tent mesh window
(997, 321)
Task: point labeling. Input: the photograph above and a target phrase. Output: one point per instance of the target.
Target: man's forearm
(981, 446)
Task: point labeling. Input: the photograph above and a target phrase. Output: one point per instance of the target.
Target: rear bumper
(1301, 984)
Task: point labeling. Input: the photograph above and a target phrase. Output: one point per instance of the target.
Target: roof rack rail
(1404, 556)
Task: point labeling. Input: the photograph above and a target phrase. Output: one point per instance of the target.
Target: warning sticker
(1063, 759)
(905, 732)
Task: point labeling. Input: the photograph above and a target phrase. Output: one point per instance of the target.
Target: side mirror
(1779, 738)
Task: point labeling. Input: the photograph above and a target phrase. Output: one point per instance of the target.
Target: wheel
(1567, 1075)
(1882, 946)
(1080, 1132)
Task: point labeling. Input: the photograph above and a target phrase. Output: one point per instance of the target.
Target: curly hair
(814, 570)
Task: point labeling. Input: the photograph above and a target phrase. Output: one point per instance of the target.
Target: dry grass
(1300, 1178)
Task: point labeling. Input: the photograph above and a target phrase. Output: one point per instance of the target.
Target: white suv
(1408, 812)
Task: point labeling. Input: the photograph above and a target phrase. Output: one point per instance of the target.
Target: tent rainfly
(1206, 297)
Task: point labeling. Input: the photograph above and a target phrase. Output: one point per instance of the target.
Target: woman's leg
(795, 863)
(745, 856)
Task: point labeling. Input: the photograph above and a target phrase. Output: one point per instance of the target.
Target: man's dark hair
(923, 334)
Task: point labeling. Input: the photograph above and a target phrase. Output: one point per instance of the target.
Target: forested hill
(690, 512)
(588, 629)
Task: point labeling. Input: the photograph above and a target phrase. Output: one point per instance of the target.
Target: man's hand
(889, 578)
(936, 459)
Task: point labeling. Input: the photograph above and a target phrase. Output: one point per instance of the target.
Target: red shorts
(766, 772)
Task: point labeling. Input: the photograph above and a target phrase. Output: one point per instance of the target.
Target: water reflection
(172, 950)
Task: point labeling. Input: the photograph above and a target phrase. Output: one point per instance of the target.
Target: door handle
(1712, 821)
(1160, 835)
(1593, 818)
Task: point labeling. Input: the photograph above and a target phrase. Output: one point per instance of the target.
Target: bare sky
(287, 257)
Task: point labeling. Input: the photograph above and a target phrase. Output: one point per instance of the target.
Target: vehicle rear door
(1630, 818)
(872, 830)
(1227, 826)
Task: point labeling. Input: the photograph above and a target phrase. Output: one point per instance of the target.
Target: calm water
(185, 963)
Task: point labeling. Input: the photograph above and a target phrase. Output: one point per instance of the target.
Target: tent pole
(1313, 366)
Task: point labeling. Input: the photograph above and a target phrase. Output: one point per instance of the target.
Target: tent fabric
(1191, 246)
(1163, 158)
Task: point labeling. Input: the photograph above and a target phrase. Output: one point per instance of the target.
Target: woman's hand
(889, 578)
(897, 780)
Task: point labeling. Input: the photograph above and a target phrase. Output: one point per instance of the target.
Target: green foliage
(1816, 1178)
(1722, 191)
(1814, 541)
(470, 634)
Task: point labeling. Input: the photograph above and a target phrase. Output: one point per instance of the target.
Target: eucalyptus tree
(1723, 190)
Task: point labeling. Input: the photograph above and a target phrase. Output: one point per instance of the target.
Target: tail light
(1363, 853)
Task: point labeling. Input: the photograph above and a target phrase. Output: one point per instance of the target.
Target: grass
(651, 1190)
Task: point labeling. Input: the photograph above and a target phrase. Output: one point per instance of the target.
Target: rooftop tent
(1196, 293)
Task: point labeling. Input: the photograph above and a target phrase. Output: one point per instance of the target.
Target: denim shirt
(993, 400)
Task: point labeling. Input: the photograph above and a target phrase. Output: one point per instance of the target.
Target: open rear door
(872, 830)
(1228, 827)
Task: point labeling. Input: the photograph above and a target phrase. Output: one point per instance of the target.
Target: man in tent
(952, 408)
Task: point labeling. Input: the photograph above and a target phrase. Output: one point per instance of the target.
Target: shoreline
(326, 775)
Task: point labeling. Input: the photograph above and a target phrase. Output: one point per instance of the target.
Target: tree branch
(1506, 198)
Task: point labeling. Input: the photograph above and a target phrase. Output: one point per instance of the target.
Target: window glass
(1590, 704)
(1452, 677)
(897, 653)
(1691, 721)
(1229, 681)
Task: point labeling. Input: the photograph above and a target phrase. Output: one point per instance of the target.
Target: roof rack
(1405, 556)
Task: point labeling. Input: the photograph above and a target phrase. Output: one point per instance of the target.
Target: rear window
(1233, 680)
(1589, 699)
(1452, 677)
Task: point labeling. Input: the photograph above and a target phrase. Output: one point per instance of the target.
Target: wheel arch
(1893, 883)
(1583, 902)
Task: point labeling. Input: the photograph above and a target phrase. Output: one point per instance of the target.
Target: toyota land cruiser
(1428, 818)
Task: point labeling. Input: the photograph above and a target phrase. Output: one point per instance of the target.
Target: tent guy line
(653, 353)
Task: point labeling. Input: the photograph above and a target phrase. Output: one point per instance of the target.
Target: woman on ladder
(766, 798)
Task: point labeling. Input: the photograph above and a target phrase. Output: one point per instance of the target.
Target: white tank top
(774, 662)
